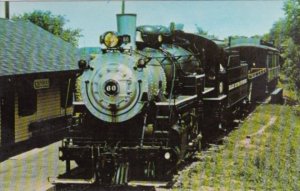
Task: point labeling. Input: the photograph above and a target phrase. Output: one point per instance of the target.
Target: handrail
(258, 72)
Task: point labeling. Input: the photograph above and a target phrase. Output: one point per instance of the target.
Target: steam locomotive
(146, 102)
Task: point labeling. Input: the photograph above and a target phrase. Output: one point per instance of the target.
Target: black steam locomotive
(147, 100)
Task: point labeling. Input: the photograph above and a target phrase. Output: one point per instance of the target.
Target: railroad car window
(64, 92)
(276, 60)
(273, 60)
(269, 61)
(27, 99)
(261, 59)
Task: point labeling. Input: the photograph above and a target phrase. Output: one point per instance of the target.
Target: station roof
(26, 48)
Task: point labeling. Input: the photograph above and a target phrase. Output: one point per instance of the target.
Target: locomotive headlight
(110, 39)
(221, 87)
(167, 155)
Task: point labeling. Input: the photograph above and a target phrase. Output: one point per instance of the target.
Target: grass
(291, 96)
(266, 160)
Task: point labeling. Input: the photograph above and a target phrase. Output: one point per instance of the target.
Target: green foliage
(292, 62)
(279, 32)
(53, 24)
(256, 36)
(292, 11)
(286, 35)
(289, 93)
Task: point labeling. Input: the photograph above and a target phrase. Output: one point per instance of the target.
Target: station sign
(41, 84)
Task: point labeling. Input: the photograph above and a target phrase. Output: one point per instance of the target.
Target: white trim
(200, 76)
(237, 84)
(207, 90)
(196, 76)
(187, 98)
(78, 103)
(257, 73)
(221, 97)
(147, 183)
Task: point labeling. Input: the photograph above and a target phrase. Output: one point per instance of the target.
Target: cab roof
(251, 42)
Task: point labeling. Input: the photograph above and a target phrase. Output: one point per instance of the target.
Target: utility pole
(6, 7)
(123, 6)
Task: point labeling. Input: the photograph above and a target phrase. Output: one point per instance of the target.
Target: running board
(72, 181)
(147, 183)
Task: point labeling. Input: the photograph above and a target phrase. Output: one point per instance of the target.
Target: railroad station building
(37, 72)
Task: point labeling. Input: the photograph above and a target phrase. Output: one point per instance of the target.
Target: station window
(27, 99)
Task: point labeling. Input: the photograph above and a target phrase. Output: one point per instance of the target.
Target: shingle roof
(26, 48)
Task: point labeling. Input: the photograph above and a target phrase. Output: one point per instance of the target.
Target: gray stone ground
(29, 171)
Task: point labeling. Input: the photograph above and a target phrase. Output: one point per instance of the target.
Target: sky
(219, 18)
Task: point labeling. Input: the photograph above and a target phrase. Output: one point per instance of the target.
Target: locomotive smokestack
(6, 9)
(127, 26)
(123, 7)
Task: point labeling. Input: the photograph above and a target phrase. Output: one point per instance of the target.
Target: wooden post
(67, 96)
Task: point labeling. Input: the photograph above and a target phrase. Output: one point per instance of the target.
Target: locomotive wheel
(142, 170)
(150, 170)
(105, 173)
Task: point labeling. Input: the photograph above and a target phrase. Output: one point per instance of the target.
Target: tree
(279, 32)
(292, 12)
(53, 24)
(286, 35)
(292, 42)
